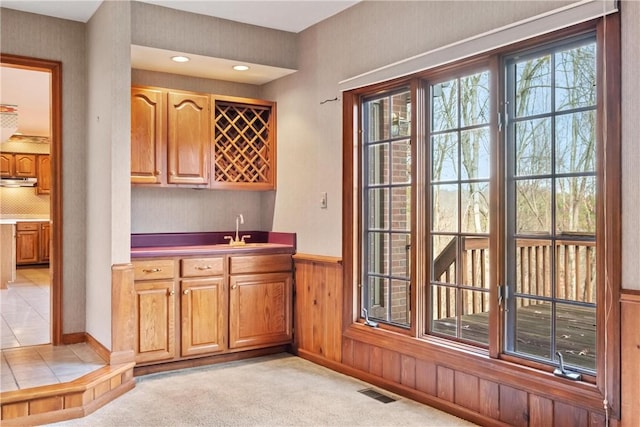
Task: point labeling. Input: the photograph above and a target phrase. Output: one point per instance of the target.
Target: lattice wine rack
(244, 143)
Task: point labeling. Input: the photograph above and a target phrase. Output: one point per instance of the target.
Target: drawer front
(260, 263)
(153, 269)
(27, 226)
(196, 267)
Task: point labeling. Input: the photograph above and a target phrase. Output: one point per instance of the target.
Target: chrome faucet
(238, 240)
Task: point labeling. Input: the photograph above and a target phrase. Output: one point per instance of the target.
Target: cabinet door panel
(44, 174)
(147, 135)
(6, 164)
(188, 138)
(27, 246)
(260, 309)
(203, 316)
(25, 165)
(45, 239)
(155, 316)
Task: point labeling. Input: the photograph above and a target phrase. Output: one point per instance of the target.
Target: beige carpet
(279, 390)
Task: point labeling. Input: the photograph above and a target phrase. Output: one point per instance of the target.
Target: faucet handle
(245, 236)
(229, 238)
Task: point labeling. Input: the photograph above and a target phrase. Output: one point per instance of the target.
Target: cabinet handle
(234, 286)
(186, 292)
(158, 173)
(152, 270)
(172, 293)
(172, 173)
(206, 267)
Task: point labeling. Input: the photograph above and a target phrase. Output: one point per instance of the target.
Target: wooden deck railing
(574, 272)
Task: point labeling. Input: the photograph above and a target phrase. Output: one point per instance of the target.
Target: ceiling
(289, 15)
(286, 15)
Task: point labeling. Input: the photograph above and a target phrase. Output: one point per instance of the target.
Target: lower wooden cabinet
(203, 313)
(260, 309)
(203, 308)
(32, 242)
(155, 317)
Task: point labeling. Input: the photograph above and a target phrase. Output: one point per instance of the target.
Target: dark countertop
(210, 243)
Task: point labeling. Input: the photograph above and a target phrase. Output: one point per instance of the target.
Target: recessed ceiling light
(180, 59)
(240, 67)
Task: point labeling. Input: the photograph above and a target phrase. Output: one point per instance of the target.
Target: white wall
(630, 144)
(362, 38)
(108, 159)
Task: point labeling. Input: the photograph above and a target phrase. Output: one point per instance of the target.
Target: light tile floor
(25, 308)
(40, 365)
(25, 313)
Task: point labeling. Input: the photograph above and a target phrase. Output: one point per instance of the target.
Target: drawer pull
(152, 270)
(206, 267)
(186, 292)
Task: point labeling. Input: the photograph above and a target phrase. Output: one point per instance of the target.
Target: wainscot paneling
(630, 351)
(318, 306)
(474, 392)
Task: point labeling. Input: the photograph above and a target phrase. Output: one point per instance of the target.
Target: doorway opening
(40, 239)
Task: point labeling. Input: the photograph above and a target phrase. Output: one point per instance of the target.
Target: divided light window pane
(386, 185)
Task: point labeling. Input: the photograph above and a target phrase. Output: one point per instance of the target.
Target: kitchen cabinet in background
(32, 242)
(44, 174)
(18, 165)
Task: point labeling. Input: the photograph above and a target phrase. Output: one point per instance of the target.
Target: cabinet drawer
(195, 267)
(260, 263)
(27, 226)
(153, 269)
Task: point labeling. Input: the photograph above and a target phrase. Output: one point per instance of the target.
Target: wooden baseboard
(102, 351)
(74, 338)
(208, 360)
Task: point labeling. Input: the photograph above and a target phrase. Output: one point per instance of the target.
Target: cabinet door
(45, 239)
(25, 165)
(203, 316)
(147, 135)
(27, 245)
(6, 164)
(44, 174)
(155, 321)
(260, 309)
(188, 138)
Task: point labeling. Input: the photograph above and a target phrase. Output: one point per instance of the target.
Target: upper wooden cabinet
(147, 135)
(6, 164)
(18, 164)
(188, 138)
(244, 143)
(44, 174)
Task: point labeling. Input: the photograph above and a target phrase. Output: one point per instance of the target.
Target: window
(386, 186)
(551, 204)
(459, 207)
(481, 204)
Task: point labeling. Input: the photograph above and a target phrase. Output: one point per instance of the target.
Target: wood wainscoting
(630, 353)
(318, 306)
(472, 386)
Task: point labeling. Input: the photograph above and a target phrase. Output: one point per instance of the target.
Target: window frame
(608, 257)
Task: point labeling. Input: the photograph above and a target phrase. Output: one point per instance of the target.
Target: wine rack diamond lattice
(243, 147)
